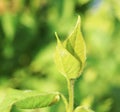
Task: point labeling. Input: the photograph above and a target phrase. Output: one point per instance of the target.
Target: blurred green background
(27, 45)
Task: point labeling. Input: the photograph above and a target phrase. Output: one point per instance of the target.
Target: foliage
(82, 109)
(26, 99)
(26, 49)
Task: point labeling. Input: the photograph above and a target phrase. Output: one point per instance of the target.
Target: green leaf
(26, 99)
(70, 55)
(83, 109)
(66, 63)
(75, 43)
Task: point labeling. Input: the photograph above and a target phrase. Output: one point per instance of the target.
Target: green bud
(70, 55)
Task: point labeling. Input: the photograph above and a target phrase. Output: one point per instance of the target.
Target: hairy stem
(71, 95)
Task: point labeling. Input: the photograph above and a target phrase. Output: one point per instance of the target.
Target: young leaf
(82, 109)
(70, 55)
(26, 99)
(66, 63)
(75, 41)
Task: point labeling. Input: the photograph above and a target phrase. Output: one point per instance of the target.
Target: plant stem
(65, 102)
(71, 94)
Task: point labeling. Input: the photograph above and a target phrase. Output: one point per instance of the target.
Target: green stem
(65, 101)
(71, 95)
